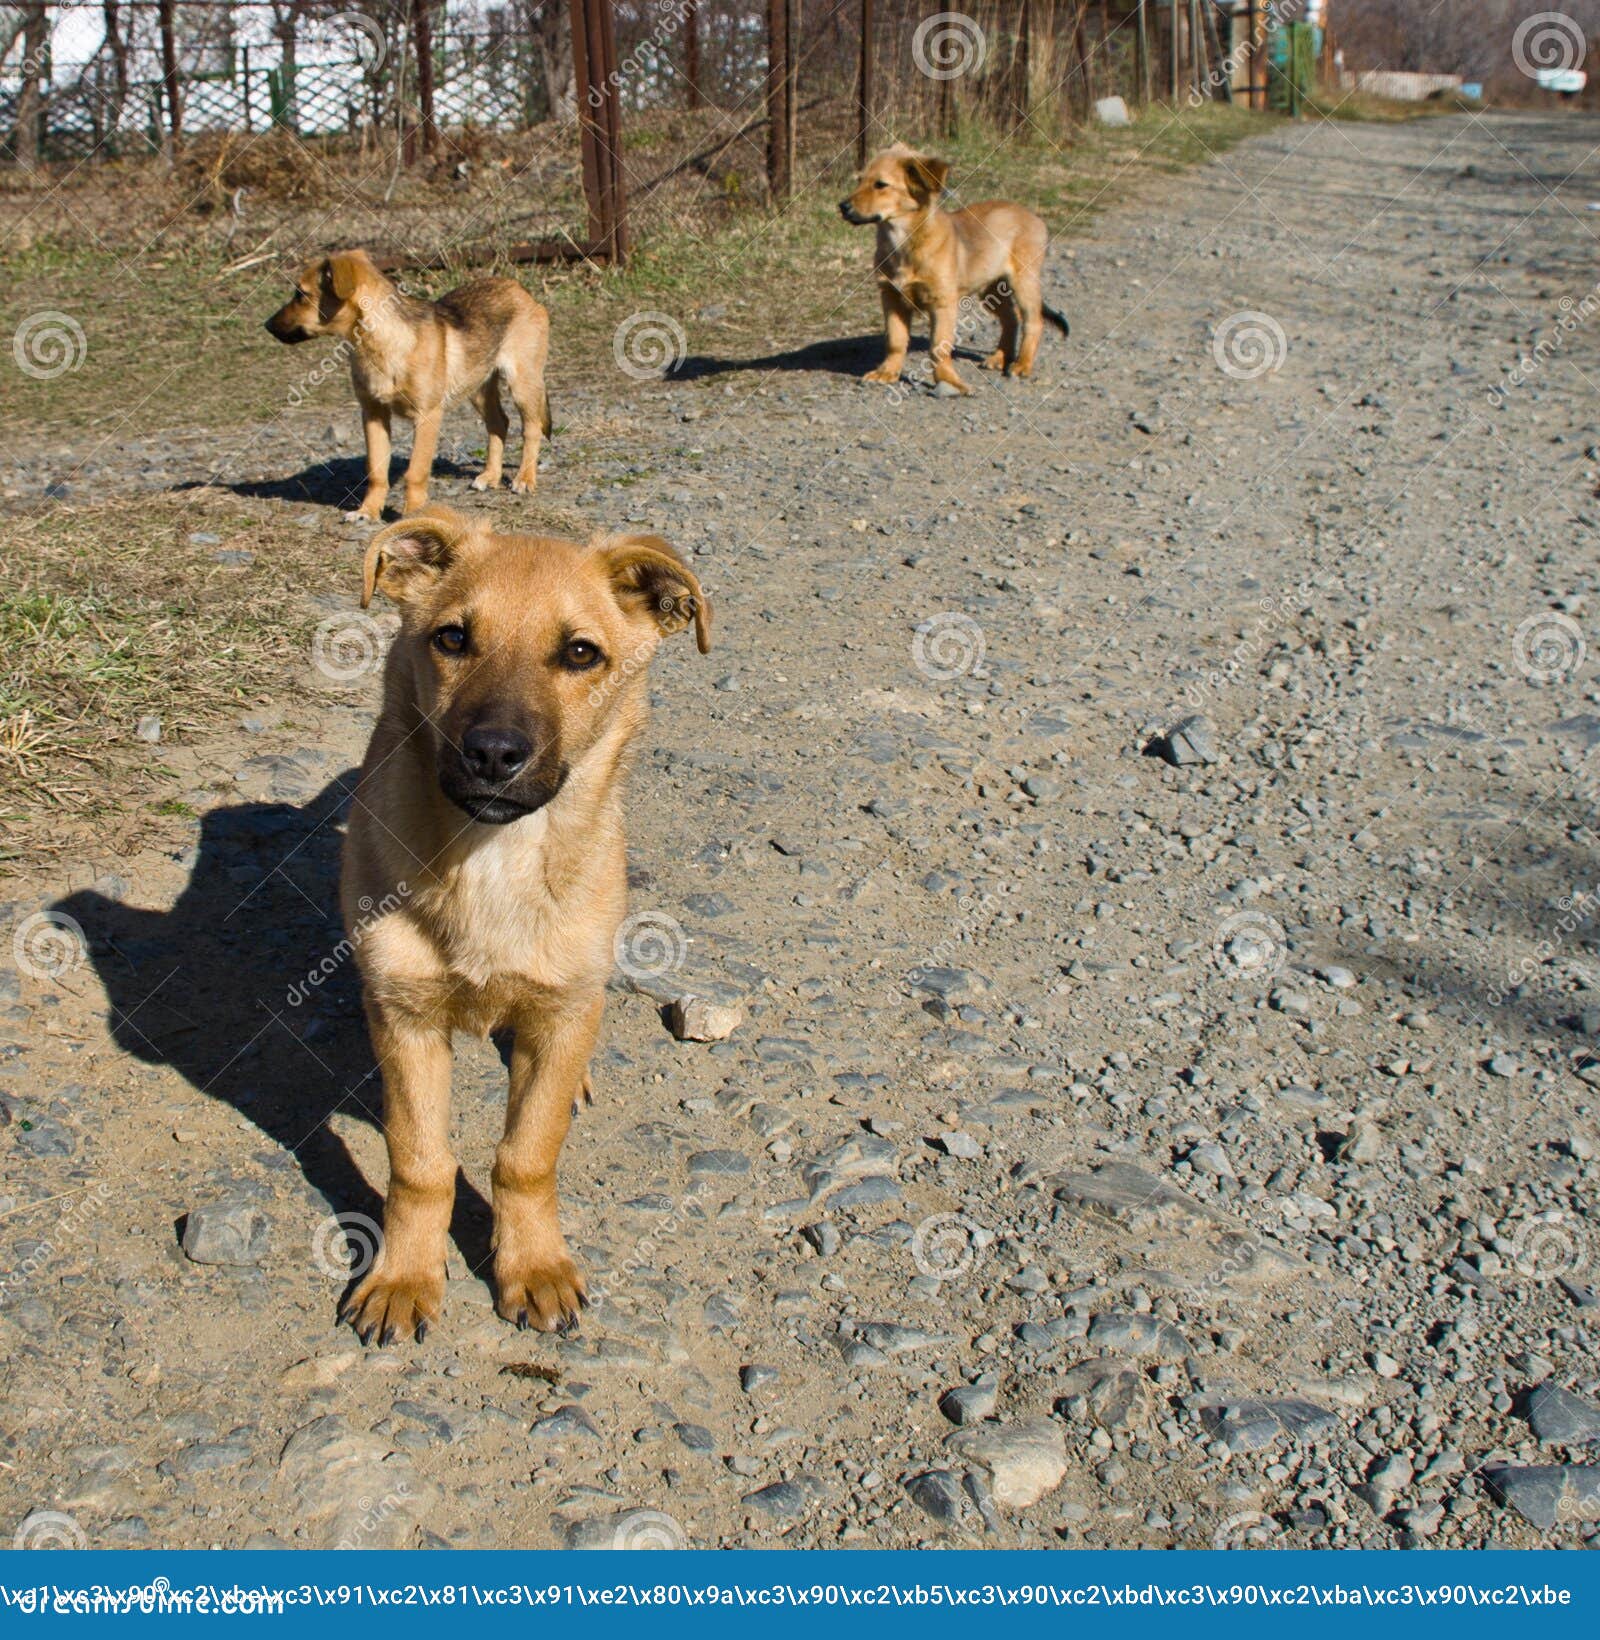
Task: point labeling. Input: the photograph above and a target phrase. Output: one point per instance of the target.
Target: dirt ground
(1220, 1125)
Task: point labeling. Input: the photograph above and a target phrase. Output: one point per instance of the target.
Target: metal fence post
(780, 154)
(594, 61)
(864, 86)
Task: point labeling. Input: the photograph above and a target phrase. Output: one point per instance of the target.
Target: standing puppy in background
(929, 259)
(414, 359)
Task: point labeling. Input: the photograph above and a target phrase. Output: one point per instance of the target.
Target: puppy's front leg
(375, 423)
(424, 445)
(404, 1291)
(944, 346)
(536, 1282)
(897, 315)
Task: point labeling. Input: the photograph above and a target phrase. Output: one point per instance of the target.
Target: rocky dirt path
(1117, 1149)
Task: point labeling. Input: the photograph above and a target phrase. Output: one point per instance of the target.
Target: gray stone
(785, 1500)
(937, 1493)
(1111, 112)
(893, 1339)
(694, 1019)
(1248, 1426)
(230, 1231)
(1547, 1495)
(971, 1403)
(754, 1377)
(1127, 1195)
(1114, 1392)
(1562, 1418)
(707, 1164)
(565, 1423)
(1191, 741)
(1023, 1461)
(1122, 1332)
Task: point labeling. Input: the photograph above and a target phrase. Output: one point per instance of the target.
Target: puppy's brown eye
(581, 656)
(450, 640)
(880, 183)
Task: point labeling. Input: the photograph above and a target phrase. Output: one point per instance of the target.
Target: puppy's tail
(1059, 320)
(544, 414)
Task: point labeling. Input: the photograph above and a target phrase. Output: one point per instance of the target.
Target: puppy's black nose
(844, 209)
(494, 755)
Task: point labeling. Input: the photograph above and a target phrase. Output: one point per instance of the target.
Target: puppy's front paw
(995, 361)
(395, 1307)
(882, 374)
(484, 482)
(546, 1296)
(365, 514)
(525, 483)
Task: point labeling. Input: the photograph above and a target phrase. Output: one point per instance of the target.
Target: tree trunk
(173, 86)
(555, 52)
(117, 45)
(30, 100)
(691, 53)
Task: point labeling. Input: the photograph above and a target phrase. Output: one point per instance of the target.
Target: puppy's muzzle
(280, 327)
(491, 775)
(852, 215)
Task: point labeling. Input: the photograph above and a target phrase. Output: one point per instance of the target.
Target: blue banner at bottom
(805, 1593)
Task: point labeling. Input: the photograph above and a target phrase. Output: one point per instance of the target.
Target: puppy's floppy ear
(925, 176)
(345, 271)
(404, 558)
(648, 575)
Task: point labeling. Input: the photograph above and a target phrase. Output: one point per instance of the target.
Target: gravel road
(1140, 1131)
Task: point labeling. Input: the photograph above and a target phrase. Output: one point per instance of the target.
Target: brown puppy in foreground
(487, 341)
(483, 878)
(929, 260)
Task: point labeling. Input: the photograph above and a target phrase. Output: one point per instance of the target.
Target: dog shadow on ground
(340, 482)
(838, 356)
(246, 989)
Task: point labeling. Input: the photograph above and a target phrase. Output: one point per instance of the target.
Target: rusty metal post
(1021, 67)
(1143, 54)
(780, 85)
(422, 37)
(691, 53)
(594, 62)
(864, 86)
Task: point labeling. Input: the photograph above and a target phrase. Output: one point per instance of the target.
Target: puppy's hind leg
(498, 423)
(1001, 302)
(522, 370)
